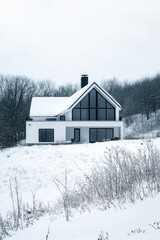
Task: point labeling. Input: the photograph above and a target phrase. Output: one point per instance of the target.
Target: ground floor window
(46, 135)
(100, 134)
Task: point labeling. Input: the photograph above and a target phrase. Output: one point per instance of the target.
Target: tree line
(16, 92)
(141, 96)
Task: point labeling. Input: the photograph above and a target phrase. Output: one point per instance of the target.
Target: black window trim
(51, 119)
(89, 107)
(100, 128)
(62, 118)
(46, 134)
(101, 89)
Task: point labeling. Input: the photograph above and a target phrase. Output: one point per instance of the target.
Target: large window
(100, 134)
(93, 107)
(46, 135)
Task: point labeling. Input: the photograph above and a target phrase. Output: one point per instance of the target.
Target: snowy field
(134, 222)
(35, 167)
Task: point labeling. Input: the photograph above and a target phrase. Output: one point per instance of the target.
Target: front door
(92, 135)
(77, 134)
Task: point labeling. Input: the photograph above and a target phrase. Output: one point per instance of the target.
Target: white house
(89, 115)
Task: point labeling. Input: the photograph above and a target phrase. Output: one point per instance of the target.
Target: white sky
(62, 39)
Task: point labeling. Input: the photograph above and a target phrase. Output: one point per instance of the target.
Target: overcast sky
(62, 39)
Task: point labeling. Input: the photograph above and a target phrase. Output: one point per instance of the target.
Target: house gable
(101, 91)
(94, 107)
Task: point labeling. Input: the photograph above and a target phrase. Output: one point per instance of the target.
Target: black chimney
(84, 80)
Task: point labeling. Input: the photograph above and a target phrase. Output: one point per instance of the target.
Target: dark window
(93, 135)
(109, 105)
(93, 107)
(110, 134)
(101, 102)
(92, 114)
(62, 118)
(84, 102)
(42, 135)
(46, 135)
(110, 114)
(50, 119)
(102, 114)
(93, 99)
(76, 114)
(78, 105)
(84, 114)
(100, 134)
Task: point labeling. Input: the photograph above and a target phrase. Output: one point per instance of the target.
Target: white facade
(64, 131)
(49, 128)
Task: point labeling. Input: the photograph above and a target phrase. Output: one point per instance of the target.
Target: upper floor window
(93, 107)
(62, 118)
(50, 119)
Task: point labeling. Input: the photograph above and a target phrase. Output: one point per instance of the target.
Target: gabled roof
(54, 106)
(88, 88)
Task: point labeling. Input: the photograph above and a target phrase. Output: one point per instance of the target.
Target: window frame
(96, 133)
(80, 108)
(46, 130)
(62, 118)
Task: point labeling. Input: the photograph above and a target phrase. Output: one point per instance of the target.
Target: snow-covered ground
(34, 168)
(134, 222)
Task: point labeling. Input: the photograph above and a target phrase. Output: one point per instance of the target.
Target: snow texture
(53, 106)
(34, 167)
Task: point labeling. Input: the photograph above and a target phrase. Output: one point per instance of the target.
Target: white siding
(32, 131)
(117, 114)
(61, 129)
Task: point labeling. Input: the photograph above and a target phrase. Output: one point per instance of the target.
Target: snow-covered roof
(47, 106)
(53, 106)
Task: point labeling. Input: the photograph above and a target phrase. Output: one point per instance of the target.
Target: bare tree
(66, 90)
(15, 98)
(44, 88)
